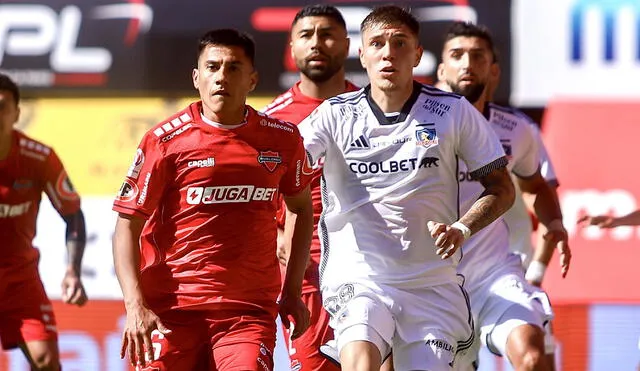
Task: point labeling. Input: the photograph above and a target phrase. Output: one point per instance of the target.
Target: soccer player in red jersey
(196, 232)
(28, 168)
(319, 46)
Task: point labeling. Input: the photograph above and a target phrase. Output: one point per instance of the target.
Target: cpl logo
(609, 11)
(35, 30)
(278, 19)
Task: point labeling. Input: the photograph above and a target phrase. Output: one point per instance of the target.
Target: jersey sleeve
(59, 188)
(315, 129)
(528, 161)
(546, 166)
(478, 145)
(299, 172)
(145, 182)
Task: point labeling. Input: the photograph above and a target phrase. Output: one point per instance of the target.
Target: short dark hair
(320, 10)
(468, 29)
(391, 15)
(229, 37)
(7, 84)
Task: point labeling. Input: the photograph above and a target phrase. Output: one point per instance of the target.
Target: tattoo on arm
(497, 198)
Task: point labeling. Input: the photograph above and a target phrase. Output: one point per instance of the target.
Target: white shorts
(425, 327)
(504, 302)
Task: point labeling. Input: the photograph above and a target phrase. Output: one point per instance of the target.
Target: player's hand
(448, 239)
(556, 234)
(294, 308)
(602, 221)
(136, 336)
(72, 289)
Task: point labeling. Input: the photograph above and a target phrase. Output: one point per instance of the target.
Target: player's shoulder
(32, 148)
(173, 126)
(348, 98)
(270, 125)
(509, 119)
(432, 91)
(280, 102)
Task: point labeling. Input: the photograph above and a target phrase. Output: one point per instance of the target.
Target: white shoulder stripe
(270, 110)
(173, 124)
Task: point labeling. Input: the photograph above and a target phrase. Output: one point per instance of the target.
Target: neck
(392, 100)
(5, 145)
(323, 90)
(480, 103)
(226, 117)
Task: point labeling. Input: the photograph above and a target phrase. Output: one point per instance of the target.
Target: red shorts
(26, 313)
(304, 351)
(214, 340)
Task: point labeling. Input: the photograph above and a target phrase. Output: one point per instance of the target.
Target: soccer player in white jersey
(391, 228)
(518, 218)
(509, 312)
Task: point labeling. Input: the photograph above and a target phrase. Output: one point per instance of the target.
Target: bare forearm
(126, 256)
(546, 206)
(494, 201)
(629, 219)
(545, 248)
(76, 240)
(299, 250)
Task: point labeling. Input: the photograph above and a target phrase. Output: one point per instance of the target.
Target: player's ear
(254, 80)
(17, 114)
(440, 72)
(361, 54)
(495, 73)
(419, 52)
(195, 74)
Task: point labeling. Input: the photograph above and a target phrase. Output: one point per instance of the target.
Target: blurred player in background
(196, 232)
(28, 168)
(391, 149)
(510, 313)
(319, 46)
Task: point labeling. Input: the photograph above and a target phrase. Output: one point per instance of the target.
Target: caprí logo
(609, 11)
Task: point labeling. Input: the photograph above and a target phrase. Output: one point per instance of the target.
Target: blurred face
(320, 46)
(389, 53)
(224, 78)
(467, 66)
(9, 113)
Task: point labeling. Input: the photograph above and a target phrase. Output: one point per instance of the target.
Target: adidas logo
(361, 142)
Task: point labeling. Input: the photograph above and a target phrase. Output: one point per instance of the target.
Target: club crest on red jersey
(65, 188)
(269, 159)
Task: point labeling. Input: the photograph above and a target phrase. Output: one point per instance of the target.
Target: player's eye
(375, 44)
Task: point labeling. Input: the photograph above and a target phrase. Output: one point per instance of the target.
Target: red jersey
(293, 106)
(210, 196)
(30, 168)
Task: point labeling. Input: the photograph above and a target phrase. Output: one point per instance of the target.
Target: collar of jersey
(404, 112)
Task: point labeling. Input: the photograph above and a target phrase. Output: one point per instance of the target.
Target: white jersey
(517, 218)
(490, 246)
(385, 177)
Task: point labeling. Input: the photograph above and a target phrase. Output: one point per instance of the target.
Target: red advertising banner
(595, 150)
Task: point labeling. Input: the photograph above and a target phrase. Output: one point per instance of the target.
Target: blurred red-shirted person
(28, 168)
(319, 46)
(196, 230)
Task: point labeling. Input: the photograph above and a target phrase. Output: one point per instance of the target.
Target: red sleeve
(59, 188)
(144, 184)
(299, 171)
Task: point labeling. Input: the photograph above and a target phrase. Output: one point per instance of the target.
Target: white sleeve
(528, 160)
(477, 144)
(546, 166)
(316, 130)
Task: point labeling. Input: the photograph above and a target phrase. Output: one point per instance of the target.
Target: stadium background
(97, 73)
